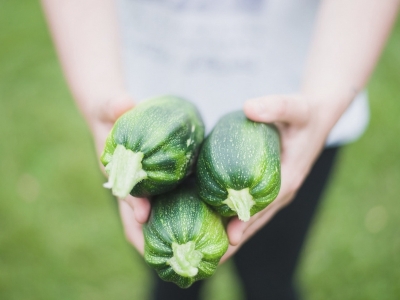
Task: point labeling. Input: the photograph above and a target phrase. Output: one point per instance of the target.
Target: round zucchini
(238, 169)
(184, 238)
(152, 147)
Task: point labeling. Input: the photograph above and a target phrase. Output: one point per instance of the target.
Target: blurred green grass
(60, 237)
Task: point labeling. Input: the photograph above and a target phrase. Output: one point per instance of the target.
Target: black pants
(266, 263)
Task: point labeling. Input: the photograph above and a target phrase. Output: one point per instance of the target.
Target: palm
(302, 139)
(134, 211)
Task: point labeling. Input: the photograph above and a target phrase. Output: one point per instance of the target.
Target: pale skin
(349, 37)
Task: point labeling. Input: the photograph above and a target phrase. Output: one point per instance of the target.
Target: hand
(134, 211)
(304, 123)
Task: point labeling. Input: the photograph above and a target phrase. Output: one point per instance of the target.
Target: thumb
(141, 208)
(290, 109)
(235, 231)
(112, 109)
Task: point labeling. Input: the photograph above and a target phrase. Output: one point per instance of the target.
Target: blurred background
(60, 234)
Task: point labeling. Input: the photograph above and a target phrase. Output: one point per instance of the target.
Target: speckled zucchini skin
(239, 154)
(180, 216)
(168, 131)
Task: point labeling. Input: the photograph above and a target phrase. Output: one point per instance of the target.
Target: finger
(231, 250)
(239, 232)
(277, 108)
(133, 229)
(235, 230)
(260, 221)
(112, 109)
(141, 208)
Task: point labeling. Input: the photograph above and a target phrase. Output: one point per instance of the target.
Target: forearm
(348, 40)
(86, 37)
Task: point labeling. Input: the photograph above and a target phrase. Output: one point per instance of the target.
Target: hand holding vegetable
(304, 123)
(134, 211)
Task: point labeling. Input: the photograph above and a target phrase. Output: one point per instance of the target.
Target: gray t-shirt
(218, 54)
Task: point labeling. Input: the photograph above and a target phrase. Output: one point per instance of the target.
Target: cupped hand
(134, 211)
(304, 124)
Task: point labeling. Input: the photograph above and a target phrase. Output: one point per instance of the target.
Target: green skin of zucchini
(243, 157)
(165, 134)
(180, 219)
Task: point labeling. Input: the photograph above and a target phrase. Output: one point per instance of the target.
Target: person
(302, 65)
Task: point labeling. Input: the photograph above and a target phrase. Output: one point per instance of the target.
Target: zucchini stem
(241, 202)
(186, 259)
(125, 171)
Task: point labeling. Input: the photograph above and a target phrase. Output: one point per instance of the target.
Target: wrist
(329, 107)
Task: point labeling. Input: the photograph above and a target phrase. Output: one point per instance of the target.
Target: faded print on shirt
(211, 5)
(201, 35)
